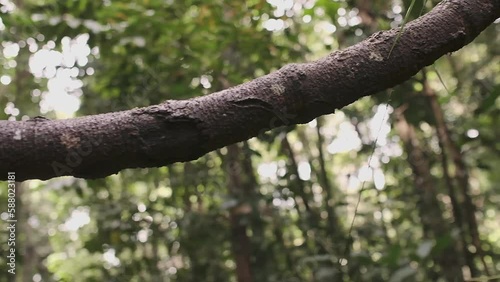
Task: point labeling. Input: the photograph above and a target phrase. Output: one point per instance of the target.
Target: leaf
(442, 243)
(326, 273)
(402, 26)
(230, 203)
(393, 256)
(489, 101)
(425, 248)
(402, 273)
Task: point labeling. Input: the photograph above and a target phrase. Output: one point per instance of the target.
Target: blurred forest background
(421, 159)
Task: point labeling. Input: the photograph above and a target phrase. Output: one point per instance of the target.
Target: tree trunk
(434, 225)
(461, 178)
(240, 186)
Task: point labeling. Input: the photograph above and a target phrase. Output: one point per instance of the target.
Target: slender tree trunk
(461, 175)
(308, 219)
(238, 184)
(335, 230)
(302, 197)
(434, 225)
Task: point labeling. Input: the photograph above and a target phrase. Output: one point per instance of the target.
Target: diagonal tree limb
(175, 131)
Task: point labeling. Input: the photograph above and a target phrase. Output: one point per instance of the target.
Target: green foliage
(176, 223)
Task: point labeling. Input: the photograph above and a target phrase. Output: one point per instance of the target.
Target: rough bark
(241, 184)
(175, 131)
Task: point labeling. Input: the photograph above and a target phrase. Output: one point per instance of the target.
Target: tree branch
(176, 131)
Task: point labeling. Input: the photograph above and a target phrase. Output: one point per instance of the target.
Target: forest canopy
(241, 172)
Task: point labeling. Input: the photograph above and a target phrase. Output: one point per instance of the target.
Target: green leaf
(425, 248)
(402, 273)
(489, 101)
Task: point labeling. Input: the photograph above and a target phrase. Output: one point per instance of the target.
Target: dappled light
(398, 186)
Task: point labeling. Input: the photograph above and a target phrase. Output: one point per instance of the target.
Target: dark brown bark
(174, 131)
(240, 187)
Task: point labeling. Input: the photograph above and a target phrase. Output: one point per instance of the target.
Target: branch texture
(175, 131)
